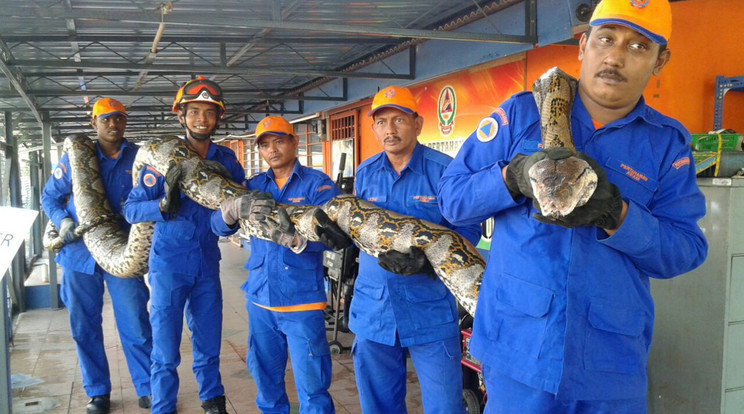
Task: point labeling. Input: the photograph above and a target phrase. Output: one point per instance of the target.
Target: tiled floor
(43, 349)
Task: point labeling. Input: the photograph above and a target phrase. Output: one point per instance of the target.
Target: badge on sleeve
(58, 173)
(149, 179)
(487, 129)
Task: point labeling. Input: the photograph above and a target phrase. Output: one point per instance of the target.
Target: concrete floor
(42, 349)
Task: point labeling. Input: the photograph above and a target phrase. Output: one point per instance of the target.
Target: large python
(374, 230)
(562, 185)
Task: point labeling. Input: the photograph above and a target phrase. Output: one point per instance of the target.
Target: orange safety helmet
(199, 90)
(106, 107)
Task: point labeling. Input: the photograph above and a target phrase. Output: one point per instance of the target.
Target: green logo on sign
(446, 108)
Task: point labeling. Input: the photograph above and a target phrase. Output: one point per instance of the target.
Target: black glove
(217, 168)
(603, 208)
(405, 264)
(329, 233)
(260, 208)
(67, 230)
(283, 231)
(240, 207)
(171, 201)
(517, 173)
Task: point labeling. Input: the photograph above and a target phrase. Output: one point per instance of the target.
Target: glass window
(310, 148)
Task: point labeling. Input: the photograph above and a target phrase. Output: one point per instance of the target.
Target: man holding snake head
(184, 259)
(565, 312)
(83, 280)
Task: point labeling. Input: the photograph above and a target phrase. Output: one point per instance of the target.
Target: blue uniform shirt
(569, 311)
(182, 242)
(419, 309)
(58, 201)
(278, 276)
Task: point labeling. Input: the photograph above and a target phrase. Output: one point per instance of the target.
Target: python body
(457, 263)
(562, 185)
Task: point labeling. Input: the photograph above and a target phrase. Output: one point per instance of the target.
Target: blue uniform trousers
(201, 296)
(507, 396)
(383, 388)
(82, 294)
(270, 334)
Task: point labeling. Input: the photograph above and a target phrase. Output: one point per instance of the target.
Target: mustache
(610, 73)
(392, 138)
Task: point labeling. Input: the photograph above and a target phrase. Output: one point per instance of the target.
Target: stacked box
(709, 142)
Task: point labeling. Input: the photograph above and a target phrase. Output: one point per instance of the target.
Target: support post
(18, 268)
(46, 131)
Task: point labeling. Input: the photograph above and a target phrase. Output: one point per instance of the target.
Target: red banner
(453, 105)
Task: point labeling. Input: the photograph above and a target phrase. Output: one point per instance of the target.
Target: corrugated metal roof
(63, 55)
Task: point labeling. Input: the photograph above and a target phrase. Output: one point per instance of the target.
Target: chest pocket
(528, 146)
(378, 200)
(424, 207)
(174, 237)
(634, 183)
(301, 272)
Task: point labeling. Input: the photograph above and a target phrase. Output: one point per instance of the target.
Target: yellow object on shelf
(705, 160)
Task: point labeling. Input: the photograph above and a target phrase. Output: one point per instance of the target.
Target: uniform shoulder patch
(58, 173)
(324, 187)
(681, 163)
(153, 171)
(487, 129)
(502, 115)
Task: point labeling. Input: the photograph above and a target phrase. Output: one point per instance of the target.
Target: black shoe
(215, 405)
(144, 401)
(99, 404)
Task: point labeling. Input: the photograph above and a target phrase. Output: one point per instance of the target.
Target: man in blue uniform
(284, 292)
(394, 315)
(565, 314)
(184, 259)
(83, 280)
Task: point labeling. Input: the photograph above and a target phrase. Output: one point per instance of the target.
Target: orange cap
(273, 125)
(394, 97)
(651, 18)
(106, 107)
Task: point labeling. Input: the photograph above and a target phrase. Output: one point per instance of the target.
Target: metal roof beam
(145, 108)
(203, 19)
(188, 69)
(71, 29)
(17, 80)
(277, 15)
(104, 38)
(233, 94)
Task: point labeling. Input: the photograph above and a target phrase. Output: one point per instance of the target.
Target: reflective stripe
(295, 308)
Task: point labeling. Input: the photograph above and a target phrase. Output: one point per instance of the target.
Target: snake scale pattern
(562, 185)
(374, 230)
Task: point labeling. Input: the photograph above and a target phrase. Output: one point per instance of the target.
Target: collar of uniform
(639, 111)
(296, 170)
(415, 164)
(212, 150)
(125, 146)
